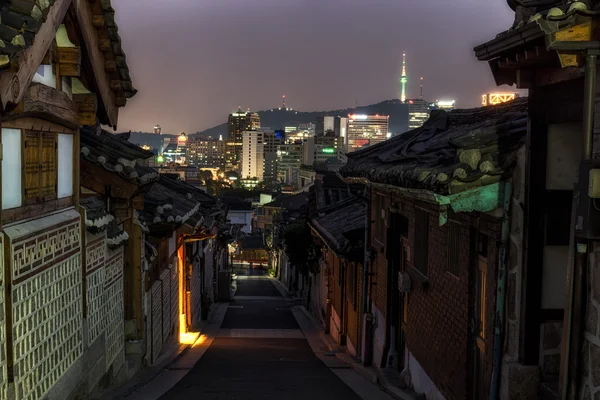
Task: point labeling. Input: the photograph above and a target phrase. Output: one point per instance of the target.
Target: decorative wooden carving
(69, 59)
(44, 102)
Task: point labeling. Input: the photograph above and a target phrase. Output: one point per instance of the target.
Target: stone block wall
(46, 301)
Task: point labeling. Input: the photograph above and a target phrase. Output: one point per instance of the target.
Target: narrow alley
(261, 352)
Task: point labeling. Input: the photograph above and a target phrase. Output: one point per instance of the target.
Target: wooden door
(477, 325)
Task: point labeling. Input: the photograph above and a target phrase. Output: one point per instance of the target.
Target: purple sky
(194, 61)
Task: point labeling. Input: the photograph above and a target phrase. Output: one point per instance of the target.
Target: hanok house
(61, 66)
(551, 338)
(186, 256)
(439, 198)
(112, 171)
(339, 222)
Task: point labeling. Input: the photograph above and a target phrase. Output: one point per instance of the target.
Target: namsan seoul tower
(403, 78)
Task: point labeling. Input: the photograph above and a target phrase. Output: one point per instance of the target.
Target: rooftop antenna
(403, 78)
(421, 88)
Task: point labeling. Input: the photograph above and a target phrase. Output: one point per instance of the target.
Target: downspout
(501, 293)
(577, 270)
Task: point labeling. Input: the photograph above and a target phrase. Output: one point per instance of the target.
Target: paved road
(260, 353)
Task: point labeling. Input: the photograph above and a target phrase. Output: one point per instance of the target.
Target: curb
(369, 373)
(149, 373)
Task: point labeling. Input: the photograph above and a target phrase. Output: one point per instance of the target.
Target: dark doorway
(396, 257)
(477, 314)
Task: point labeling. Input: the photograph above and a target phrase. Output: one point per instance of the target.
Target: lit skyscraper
(157, 130)
(237, 124)
(366, 130)
(403, 78)
(418, 113)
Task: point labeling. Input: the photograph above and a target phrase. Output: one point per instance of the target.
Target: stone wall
(590, 354)
(46, 301)
(517, 380)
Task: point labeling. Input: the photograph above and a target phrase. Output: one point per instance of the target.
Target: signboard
(361, 142)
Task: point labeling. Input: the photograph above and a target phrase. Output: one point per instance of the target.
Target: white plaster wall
(563, 155)
(65, 165)
(553, 278)
(420, 380)
(334, 327)
(378, 336)
(45, 76)
(11, 168)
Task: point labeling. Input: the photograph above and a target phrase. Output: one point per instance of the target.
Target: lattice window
(454, 248)
(421, 240)
(40, 167)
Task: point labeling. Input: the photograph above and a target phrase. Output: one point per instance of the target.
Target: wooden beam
(104, 45)
(90, 36)
(110, 65)
(13, 85)
(95, 177)
(87, 106)
(69, 59)
(98, 21)
(115, 85)
(52, 103)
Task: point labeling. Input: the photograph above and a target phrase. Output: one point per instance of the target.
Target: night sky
(195, 61)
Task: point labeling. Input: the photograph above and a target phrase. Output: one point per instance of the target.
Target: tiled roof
(293, 202)
(115, 236)
(96, 217)
(341, 223)
(174, 202)
(541, 17)
(450, 150)
(116, 155)
(20, 21)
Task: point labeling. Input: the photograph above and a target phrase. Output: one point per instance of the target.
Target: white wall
(241, 218)
(564, 153)
(65, 165)
(553, 277)
(11, 168)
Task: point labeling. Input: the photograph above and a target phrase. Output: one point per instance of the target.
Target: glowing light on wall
(328, 150)
(491, 99)
(160, 159)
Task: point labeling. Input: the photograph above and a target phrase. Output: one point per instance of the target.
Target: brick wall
(354, 314)
(437, 321)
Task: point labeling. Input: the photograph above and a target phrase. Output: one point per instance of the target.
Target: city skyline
(188, 91)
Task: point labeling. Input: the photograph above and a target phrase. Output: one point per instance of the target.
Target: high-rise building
(366, 130)
(447, 105)
(240, 122)
(319, 149)
(339, 125)
(259, 155)
(253, 155)
(418, 113)
(232, 150)
(289, 159)
(271, 144)
(157, 130)
(205, 152)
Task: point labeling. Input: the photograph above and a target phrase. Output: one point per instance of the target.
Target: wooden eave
(84, 20)
(95, 177)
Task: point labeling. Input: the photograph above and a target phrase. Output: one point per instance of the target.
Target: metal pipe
(501, 293)
(589, 100)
